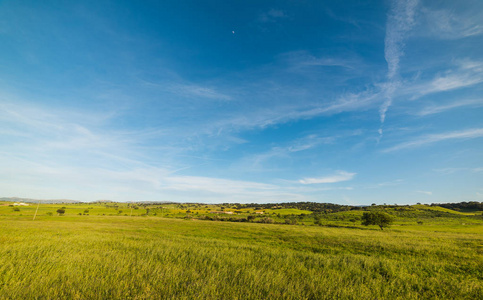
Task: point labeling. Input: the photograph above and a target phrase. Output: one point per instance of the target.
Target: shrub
(266, 220)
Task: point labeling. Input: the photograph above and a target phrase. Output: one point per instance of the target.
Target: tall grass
(156, 258)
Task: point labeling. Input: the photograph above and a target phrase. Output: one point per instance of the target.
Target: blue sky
(348, 102)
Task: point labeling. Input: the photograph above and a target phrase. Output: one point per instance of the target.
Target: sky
(348, 102)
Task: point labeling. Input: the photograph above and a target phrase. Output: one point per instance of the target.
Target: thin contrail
(399, 21)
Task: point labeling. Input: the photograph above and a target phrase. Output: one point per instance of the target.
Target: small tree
(378, 218)
(61, 211)
(267, 220)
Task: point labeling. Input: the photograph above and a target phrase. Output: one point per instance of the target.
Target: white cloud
(467, 73)
(264, 117)
(425, 192)
(337, 177)
(301, 59)
(215, 185)
(256, 161)
(389, 90)
(198, 91)
(447, 171)
(399, 21)
(41, 180)
(429, 110)
(448, 24)
(271, 16)
(433, 138)
(453, 81)
(385, 184)
(189, 90)
(309, 142)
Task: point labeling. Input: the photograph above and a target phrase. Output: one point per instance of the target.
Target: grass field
(121, 257)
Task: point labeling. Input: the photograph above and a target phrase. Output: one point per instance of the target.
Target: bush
(266, 220)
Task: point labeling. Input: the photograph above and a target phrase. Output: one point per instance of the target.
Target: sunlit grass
(101, 257)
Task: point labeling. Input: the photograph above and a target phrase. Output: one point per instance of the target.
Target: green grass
(118, 257)
(438, 208)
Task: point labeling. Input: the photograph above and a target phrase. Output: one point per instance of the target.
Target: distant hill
(29, 200)
(462, 206)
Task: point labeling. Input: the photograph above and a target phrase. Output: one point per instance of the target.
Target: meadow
(107, 254)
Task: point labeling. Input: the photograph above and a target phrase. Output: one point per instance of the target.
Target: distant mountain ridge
(55, 201)
(29, 200)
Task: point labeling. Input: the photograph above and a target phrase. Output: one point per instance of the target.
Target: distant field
(105, 255)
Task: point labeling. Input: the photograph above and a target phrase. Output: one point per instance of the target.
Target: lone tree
(378, 218)
(61, 211)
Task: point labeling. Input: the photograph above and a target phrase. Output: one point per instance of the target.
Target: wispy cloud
(467, 73)
(337, 177)
(345, 19)
(309, 142)
(271, 16)
(425, 192)
(189, 90)
(385, 184)
(92, 161)
(436, 109)
(263, 117)
(448, 171)
(198, 92)
(446, 24)
(305, 143)
(149, 184)
(399, 21)
(300, 59)
(434, 138)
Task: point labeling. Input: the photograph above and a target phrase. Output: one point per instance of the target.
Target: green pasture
(402, 215)
(108, 256)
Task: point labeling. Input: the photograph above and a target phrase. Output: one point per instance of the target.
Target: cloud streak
(337, 177)
(445, 24)
(434, 138)
(430, 110)
(22, 177)
(467, 73)
(400, 20)
(425, 192)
